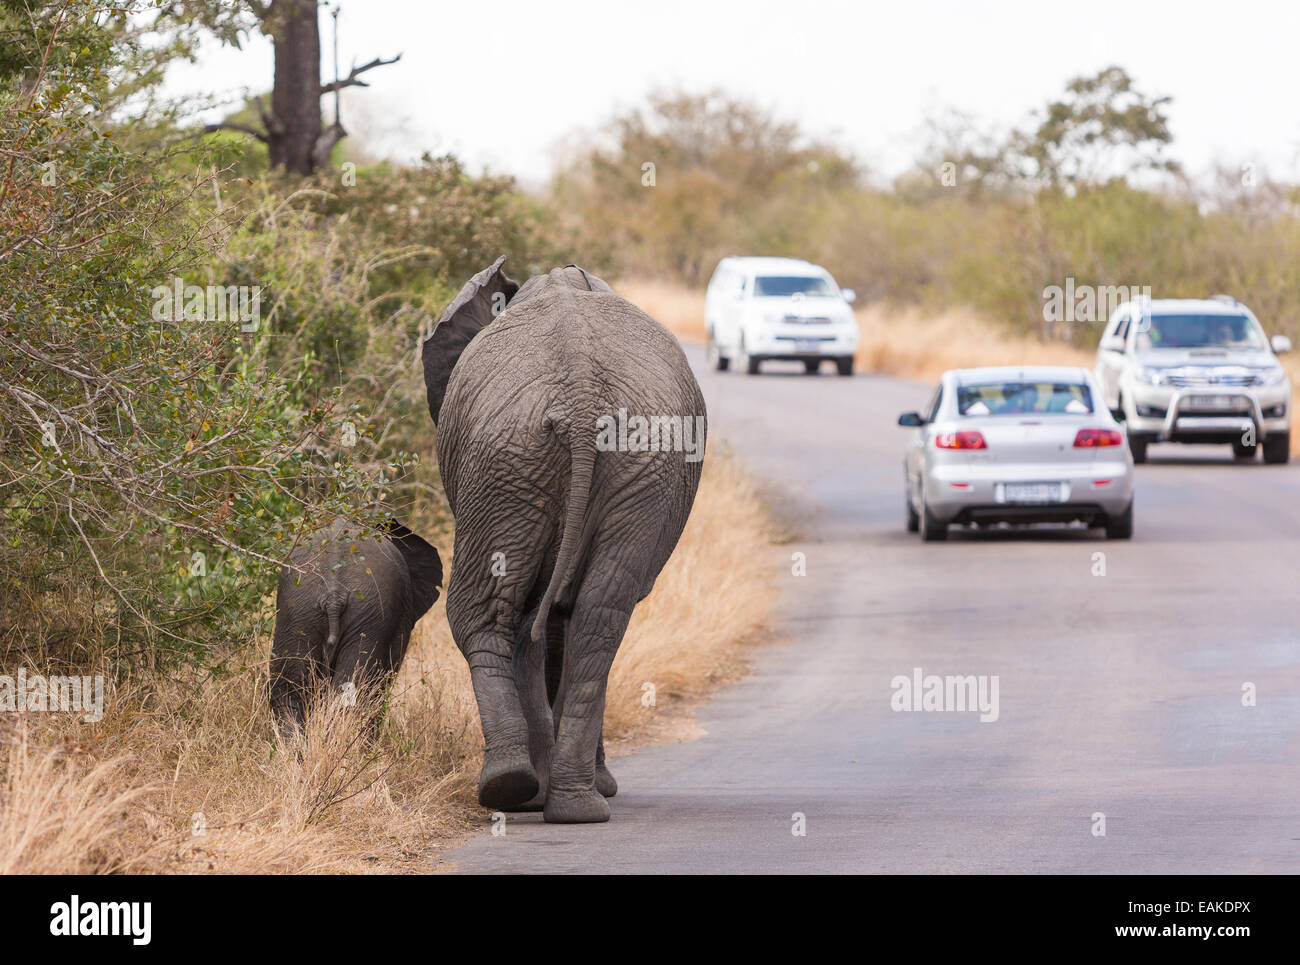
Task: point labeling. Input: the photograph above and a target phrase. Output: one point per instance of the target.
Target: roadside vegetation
(158, 459)
(1088, 188)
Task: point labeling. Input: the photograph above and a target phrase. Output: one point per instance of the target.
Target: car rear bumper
(977, 493)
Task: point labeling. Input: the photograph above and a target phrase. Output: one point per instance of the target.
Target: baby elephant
(344, 611)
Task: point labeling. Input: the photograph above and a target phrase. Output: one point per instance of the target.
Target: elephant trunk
(582, 465)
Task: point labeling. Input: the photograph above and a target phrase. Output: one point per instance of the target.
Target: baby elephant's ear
(423, 563)
(480, 301)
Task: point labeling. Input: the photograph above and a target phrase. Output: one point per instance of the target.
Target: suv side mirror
(849, 295)
(911, 419)
(1112, 343)
(1281, 344)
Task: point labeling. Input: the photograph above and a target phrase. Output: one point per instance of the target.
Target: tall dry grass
(184, 774)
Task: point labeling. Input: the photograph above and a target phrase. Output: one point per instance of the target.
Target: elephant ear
(470, 313)
(423, 563)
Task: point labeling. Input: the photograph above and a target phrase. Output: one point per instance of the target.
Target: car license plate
(807, 345)
(1209, 402)
(1032, 492)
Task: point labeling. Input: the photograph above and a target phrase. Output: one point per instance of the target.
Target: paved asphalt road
(1118, 694)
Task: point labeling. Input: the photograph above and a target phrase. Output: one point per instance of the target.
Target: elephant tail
(582, 465)
(334, 605)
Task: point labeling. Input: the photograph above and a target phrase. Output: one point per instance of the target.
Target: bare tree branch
(228, 126)
(351, 79)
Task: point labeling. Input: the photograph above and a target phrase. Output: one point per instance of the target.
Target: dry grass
(127, 794)
(911, 342)
(676, 307)
(712, 600)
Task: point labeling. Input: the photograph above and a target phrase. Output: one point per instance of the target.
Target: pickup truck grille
(1203, 381)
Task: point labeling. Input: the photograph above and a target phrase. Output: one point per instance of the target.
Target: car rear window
(783, 286)
(1024, 398)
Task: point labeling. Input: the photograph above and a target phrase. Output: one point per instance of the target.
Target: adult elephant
(565, 512)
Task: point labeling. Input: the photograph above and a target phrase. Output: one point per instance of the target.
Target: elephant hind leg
(595, 631)
(556, 627)
(532, 671)
(295, 680)
(605, 782)
(508, 778)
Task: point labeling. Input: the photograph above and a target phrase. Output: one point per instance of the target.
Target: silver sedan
(1034, 444)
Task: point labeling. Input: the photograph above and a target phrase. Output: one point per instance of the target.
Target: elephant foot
(605, 782)
(507, 779)
(575, 807)
(538, 801)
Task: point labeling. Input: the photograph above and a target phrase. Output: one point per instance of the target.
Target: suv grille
(1205, 381)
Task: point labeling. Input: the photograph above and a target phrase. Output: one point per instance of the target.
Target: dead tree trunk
(294, 123)
(294, 138)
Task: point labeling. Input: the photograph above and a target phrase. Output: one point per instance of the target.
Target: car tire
(913, 518)
(717, 360)
(811, 366)
(844, 365)
(1138, 446)
(750, 362)
(743, 361)
(1277, 448)
(1242, 451)
(1121, 526)
(932, 531)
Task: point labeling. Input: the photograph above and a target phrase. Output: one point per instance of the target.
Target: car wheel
(1138, 446)
(1242, 451)
(810, 366)
(932, 531)
(913, 519)
(746, 361)
(717, 360)
(1277, 448)
(1121, 526)
(844, 365)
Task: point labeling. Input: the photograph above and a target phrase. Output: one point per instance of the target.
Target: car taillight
(969, 439)
(1088, 438)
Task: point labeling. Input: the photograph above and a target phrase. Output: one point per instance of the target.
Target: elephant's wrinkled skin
(556, 542)
(344, 610)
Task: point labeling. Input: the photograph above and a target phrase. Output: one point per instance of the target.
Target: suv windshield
(1024, 398)
(783, 286)
(1199, 331)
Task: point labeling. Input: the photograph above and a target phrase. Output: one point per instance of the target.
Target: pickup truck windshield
(783, 286)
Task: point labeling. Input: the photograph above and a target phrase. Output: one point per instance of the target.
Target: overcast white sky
(501, 83)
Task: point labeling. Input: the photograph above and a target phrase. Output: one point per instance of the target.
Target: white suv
(778, 308)
(1196, 370)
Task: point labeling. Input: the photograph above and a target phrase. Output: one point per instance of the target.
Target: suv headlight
(1272, 376)
(774, 318)
(1150, 376)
